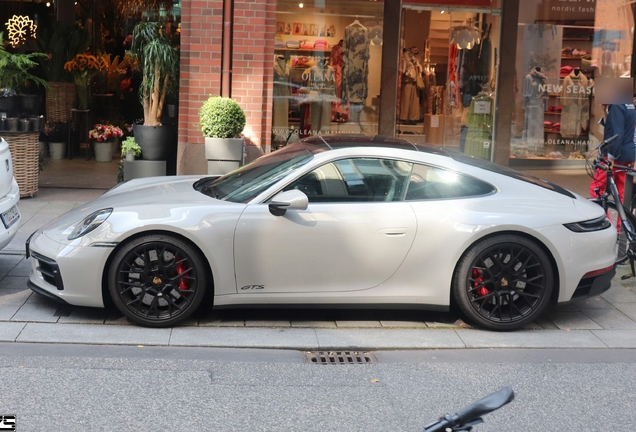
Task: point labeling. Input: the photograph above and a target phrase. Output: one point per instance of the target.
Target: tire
(622, 243)
(503, 282)
(157, 280)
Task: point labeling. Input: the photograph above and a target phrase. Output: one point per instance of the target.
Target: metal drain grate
(339, 357)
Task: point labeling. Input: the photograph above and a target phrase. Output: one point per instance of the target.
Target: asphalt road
(105, 388)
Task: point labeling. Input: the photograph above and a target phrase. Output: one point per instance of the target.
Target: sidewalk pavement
(607, 321)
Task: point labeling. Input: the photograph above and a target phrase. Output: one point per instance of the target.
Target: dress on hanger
(355, 71)
(534, 104)
(481, 114)
(576, 105)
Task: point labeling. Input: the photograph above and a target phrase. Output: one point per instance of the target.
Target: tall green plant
(14, 68)
(159, 63)
(61, 43)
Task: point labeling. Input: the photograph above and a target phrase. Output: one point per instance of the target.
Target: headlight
(590, 225)
(90, 223)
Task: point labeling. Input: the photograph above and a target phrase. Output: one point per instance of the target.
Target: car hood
(152, 199)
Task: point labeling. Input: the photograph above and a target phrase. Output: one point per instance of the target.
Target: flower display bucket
(103, 151)
(57, 150)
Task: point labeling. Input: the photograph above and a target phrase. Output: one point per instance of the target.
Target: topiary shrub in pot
(222, 120)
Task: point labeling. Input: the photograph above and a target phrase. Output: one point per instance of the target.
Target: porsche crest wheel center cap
(156, 280)
(504, 282)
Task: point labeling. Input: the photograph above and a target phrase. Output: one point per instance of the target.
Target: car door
(354, 235)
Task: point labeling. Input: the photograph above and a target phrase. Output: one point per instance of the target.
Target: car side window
(356, 180)
(428, 183)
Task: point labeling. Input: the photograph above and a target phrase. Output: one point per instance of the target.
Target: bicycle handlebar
(473, 412)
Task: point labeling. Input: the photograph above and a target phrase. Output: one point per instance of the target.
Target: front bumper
(72, 274)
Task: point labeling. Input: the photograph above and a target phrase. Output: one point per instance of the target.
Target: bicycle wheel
(622, 243)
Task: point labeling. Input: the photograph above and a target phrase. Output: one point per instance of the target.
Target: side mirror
(290, 200)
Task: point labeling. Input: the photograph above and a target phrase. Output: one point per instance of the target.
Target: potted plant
(222, 120)
(60, 43)
(54, 136)
(159, 62)
(15, 75)
(130, 148)
(104, 137)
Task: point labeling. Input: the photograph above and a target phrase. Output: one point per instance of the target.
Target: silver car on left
(9, 197)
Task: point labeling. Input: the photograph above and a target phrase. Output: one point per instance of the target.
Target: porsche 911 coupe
(332, 221)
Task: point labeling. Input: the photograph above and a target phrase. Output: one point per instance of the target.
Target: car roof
(321, 143)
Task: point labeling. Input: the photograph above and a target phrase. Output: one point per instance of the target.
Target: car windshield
(247, 182)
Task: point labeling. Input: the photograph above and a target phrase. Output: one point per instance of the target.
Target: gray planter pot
(11, 124)
(103, 151)
(156, 142)
(57, 150)
(223, 154)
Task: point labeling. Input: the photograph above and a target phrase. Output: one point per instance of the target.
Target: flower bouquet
(104, 132)
(84, 67)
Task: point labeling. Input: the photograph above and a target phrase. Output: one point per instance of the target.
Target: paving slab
(405, 324)
(23, 269)
(619, 294)
(37, 312)
(530, 339)
(573, 320)
(388, 339)
(226, 337)
(13, 296)
(7, 312)
(10, 331)
(358, 324)
(628, 309)
(93, 334)
(213, 322)
(610, 319)
(593, 303)
(313, 324)
(617, 338)
(267, 323)
(545, 322)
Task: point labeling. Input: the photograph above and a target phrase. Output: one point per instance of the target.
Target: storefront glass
(567, 52)
(327, 64)
(448, 75)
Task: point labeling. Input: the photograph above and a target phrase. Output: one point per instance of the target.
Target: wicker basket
(25, 148)
(60, 99)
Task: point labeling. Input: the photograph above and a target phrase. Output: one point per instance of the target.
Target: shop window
(448, 75)
(565, 52)
(327, 64)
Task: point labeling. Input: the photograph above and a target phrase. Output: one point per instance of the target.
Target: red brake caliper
(478, 279)
(181, 269)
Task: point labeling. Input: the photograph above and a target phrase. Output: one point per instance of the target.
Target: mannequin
(410, 100)
(322, 83)
(534, 104)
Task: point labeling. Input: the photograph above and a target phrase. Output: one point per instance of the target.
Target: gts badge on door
(253, 287)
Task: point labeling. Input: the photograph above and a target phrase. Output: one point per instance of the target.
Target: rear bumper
(595, 285)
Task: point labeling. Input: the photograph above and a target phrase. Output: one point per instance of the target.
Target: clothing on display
(481, 114)
(282, 93)
(576, 105)
(534, 103)
(322, 93)
(410, 100)
(355, 73)
(339, 111)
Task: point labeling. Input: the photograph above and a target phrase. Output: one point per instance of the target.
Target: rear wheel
(157, 280)
(622, 243)
(503, 282)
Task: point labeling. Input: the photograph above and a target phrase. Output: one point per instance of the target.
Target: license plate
(10, 217)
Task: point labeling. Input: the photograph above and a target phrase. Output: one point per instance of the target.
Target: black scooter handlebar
(473, 412)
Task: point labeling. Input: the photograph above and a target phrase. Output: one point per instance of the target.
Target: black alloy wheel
(503, 282)
(157, 280)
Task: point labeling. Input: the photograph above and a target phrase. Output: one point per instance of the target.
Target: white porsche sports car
(9, 197)
(346, 220)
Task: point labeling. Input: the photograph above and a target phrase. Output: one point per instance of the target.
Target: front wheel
(157, 280)
(503, 282)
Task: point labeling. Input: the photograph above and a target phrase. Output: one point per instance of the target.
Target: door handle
(393, 232)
